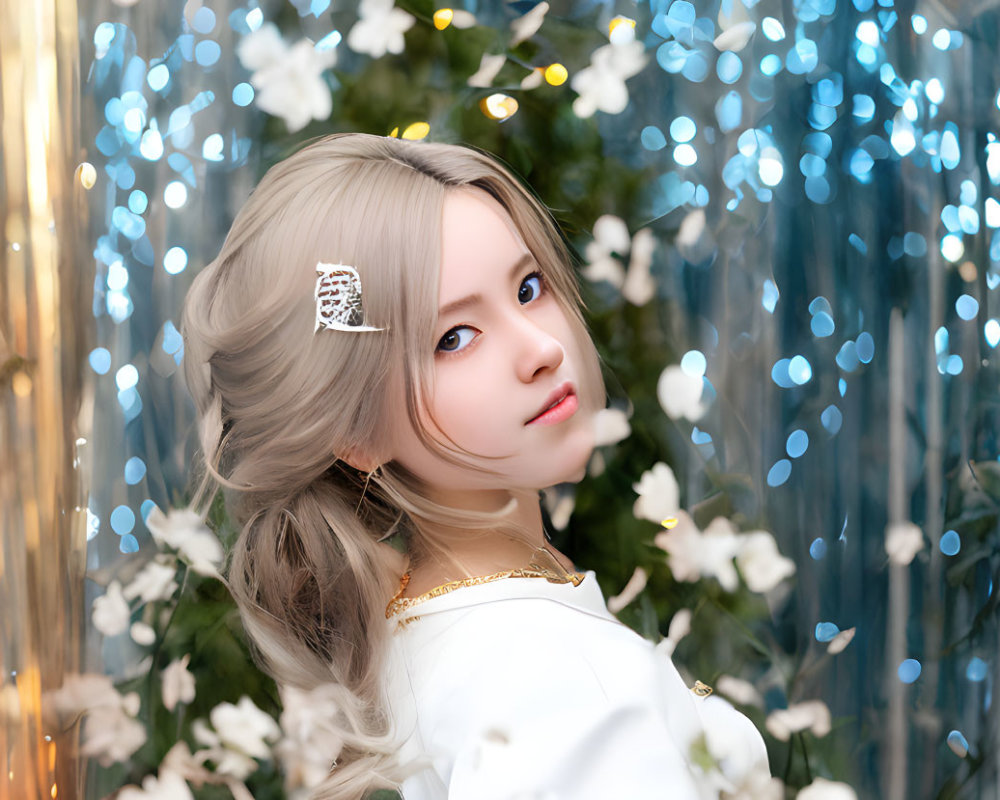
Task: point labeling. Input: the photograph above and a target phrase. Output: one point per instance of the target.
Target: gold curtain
(43, 324)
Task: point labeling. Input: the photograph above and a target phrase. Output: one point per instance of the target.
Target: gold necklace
(542, 565)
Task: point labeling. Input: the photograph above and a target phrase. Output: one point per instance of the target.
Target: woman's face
(497, 361)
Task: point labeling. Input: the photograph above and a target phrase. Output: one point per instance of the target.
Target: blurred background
(785, 215)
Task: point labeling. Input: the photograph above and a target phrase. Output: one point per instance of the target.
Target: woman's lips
(560, 412)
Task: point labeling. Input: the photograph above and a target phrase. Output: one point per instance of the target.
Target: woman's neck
(441, 553)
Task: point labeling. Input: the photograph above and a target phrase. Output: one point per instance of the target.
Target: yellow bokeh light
(418, 130)
(394, 133)
(670, 522)
(87, 175)
(21, 384)
(498, 106)
(556, 74)
(624, 33)
(443, 18)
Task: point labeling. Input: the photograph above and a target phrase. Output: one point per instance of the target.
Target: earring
(368, 477)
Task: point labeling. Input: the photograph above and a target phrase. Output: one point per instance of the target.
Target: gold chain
(399, 603)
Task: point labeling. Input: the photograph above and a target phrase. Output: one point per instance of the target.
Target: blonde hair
(277, 404)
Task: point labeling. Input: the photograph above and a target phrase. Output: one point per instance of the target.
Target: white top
(523, 688)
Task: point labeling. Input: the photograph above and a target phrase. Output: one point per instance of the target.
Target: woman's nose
(538, 349)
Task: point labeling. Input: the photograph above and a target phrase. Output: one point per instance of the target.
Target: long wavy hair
(279, 407)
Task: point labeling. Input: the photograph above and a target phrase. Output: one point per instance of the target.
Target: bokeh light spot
(683, 129)
(175, 260)
(126, 377)
(779, 473)
(135, 470)
(122, 520)
(652, 138)
(966, 306)
(817, 550)
(175, 194)
(243, 94)
(693, 363)
(976, 671)
(100, 360)
(909, 670)
(825, 631)
(797, 443)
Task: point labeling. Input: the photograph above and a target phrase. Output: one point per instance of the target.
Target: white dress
(530, 689)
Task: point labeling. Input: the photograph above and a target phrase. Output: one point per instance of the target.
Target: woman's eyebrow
(475, 299)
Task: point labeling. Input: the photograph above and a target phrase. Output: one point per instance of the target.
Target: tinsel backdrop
(786, 217)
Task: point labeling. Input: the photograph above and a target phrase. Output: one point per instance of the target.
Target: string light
(498, 106)
(443, 18)
(87, 175)
(556, 74)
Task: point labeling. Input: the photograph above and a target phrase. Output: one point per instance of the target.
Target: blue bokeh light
(909, 670)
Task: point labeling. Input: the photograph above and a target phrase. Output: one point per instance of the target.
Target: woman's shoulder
(508, 633)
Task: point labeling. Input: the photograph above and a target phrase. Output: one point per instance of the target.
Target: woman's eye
(537, 278)
(451, 342)
(454, 342)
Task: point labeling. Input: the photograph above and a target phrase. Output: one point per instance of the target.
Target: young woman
(389, 362)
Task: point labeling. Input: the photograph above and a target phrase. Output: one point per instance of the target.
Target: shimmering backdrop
(817, 184)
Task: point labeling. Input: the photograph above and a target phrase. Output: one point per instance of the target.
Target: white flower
(289, 81)
(379, 29)
(680, 393)
(142, 633)
(680, 626)
(639, 286)
(168, 786)
(631, 591)
(178, 683)
(601, 85)
(533, 79)
(183, 530)
(110, 732)
(610, 427)
(812, 715)
(610, 236)
(840, 641)
(262, 48)
(462, 19)
(762, 566)
(111, 613)
(155, 581)
(244, 727)
(241, 734)
(659, 494)
(560, 505)
(110, 735)
(527, 25)
(903, 541)
(489, 66)
(822, 789)
(743, 692)
(311, 740)
(693, 554)
(80, 692)
(692, 226)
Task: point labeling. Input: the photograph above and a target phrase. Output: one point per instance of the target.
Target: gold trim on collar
(399, 603)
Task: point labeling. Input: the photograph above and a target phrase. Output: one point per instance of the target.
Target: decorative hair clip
(338, 299)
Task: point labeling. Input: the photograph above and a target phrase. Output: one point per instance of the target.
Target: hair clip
(338, 299)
